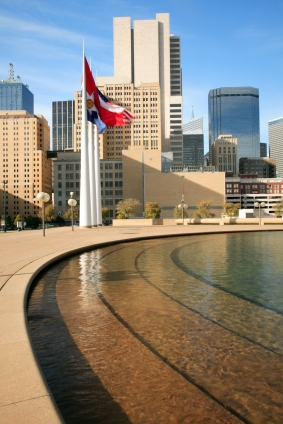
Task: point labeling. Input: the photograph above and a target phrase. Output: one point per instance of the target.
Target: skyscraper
(235, 110)
(14, 95)
(63, 119)
(24, 163)
(193, 153)
(275, 138)
(263, 150)
(148, 82)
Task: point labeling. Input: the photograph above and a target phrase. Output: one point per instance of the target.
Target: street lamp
(259, 205)
(4, 182)
(72, 202)
(43, 197)
(183, 205)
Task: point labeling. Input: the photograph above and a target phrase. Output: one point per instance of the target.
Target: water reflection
(164, 334)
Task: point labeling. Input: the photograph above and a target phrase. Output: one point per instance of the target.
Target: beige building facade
(25, 140)
(225, 154)
(144, 181)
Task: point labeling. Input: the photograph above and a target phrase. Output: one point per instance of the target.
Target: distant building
(248, 189)
(235, 110)
(147, 82)
(225, 154)
(275, 139)
(14, 95)
(67, 179)
(260, 167)
(193, 152)
(24, 163)
(63, 119)
(263, 150)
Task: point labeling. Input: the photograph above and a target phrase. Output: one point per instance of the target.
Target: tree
(152, 210)
(59, 220)
(278, 209)
(9, 221)
(49, 213)
(19, 218)
(178, 213)
(203, 210)
(68, 213)
(33, 221)
(231, 209)
(104, 213)
(126, 208)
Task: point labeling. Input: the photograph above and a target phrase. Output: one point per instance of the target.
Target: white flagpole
(97, 176)
(92, 185)
(85, 216)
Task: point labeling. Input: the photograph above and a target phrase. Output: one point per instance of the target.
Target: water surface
(175, 330)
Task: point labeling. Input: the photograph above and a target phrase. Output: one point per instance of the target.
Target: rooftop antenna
(11, 72)
(193, 115)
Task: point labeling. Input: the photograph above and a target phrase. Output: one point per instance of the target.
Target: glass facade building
(63, 119)
(235, 111)
(16, 96)
(193, 152)
(275, 139)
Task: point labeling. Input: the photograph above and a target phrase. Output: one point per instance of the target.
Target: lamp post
(4, 182)
(43, 197)
(259, 205)
(72, 202)
(183, 205)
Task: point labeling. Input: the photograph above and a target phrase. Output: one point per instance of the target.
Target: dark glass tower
(63, 119)
(235, 111)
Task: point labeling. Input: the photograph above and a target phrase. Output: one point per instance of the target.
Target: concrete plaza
(24, 395)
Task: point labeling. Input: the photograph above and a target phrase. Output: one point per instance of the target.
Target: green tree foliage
(152, 210)
(49, 213)
(231, 209)
(278, 209)
(9, 221)
(68, 214)
(59, 220)
(33, 221)
(126, 208)
(203, 210)
(178, 213)
(104, 213)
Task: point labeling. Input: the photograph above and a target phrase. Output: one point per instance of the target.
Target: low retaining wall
(141, 222)
(195, 221)
(229, 221)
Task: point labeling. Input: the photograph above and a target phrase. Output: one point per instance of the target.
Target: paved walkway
(24, 396)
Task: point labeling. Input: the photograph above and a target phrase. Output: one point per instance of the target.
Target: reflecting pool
(173, 330)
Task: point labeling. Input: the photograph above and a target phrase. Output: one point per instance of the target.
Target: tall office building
(25, 140)
(193, 152)
(148, 82)
(176, 101)
(14, 95)
(235, 110)
(63, 117)
(263, 150)
(275, 139)
(224, 154)
(145, 132)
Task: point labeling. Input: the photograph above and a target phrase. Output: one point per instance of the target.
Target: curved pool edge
(24, 395)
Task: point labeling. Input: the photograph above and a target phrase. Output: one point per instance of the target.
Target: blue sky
(223, 43)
